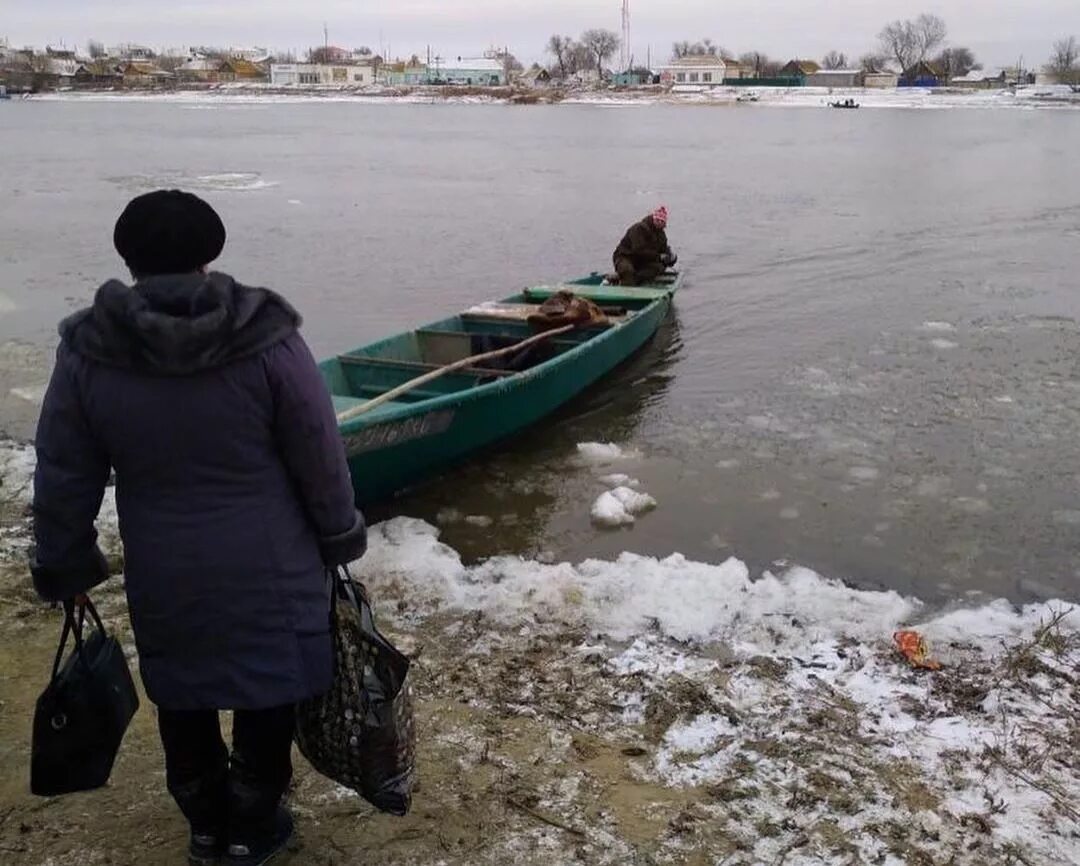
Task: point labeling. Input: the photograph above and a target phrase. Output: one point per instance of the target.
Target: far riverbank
(743, 97)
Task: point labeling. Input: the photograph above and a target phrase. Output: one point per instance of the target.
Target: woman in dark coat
(233, 496)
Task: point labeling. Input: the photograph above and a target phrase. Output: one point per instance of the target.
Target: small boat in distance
(395, 440)
(847, 103)
(747, 97)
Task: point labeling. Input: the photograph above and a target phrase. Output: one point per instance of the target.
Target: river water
(872, 370)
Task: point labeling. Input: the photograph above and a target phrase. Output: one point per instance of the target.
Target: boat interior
(368, 372)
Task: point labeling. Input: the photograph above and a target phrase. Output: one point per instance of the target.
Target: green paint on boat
(411, 439)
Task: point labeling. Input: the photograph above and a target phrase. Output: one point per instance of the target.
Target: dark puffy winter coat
(231, 486)
(643, 244)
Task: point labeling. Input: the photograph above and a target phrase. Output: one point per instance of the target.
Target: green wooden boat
(420, 433)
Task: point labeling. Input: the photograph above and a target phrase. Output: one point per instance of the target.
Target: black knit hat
(168, 232)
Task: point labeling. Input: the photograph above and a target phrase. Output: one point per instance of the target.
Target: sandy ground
(583, 714)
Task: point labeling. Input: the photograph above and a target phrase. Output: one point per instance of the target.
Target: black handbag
(361, 732)
(82, 715)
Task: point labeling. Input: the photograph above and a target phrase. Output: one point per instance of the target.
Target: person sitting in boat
(234, 498)
(644, 253)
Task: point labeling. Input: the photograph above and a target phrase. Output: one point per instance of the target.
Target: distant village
(903, 59)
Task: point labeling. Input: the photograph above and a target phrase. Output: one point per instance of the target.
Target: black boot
(259, 826)
(204, 803)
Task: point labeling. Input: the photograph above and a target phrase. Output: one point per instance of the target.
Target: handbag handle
(75, 628)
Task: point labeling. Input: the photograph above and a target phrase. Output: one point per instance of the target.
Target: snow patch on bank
(675, 597)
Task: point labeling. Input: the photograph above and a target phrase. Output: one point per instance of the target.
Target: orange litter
(916, 650)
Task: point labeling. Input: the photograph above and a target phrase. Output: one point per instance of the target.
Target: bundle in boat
(565, 308)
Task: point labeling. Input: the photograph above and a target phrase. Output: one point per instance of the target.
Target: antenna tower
(624, 54)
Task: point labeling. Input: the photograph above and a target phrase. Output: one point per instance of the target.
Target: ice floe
(604, 452)
(620, 507)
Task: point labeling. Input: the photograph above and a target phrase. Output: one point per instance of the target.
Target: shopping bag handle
(74, 628)
(343, 586)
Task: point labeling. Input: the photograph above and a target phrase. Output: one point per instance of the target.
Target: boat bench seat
(419, 367)
(343, 404)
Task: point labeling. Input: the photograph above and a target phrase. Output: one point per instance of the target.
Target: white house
(478, 71)
(835, 78)
(881, 80)
(707, 70)
(332, 74)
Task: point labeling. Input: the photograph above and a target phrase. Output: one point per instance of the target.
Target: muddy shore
(559, 723)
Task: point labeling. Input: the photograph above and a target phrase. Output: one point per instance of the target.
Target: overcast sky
(997, 31)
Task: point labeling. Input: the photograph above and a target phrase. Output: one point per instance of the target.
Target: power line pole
(625, 55)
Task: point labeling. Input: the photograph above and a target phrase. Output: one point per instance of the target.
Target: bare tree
(956, 62)
(364, 51)
(560, 47)
(1064, 62)
(873, 62)
(704, 48)
(930, 33)
(834, 60)
(322, 54)
(169, 62)
(283, 57)
(95, 49)
(912, 41)
(761, 64)
(601, 44)
(510, 64)
(578, 58)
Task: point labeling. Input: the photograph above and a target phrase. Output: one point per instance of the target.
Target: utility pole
(625, 57)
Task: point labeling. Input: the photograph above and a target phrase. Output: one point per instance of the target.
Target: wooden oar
(472, 361)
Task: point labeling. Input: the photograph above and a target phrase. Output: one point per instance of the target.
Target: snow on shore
(780, 700)
(773, 704)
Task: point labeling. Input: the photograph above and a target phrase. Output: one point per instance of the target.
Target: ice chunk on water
(480, 520)
(933, 485)
(1067, 517)
(608, 511)
(233, 181)
(619, 480)
(944, 345)
(947, 327)
(633, 501)
(864, 473)
(448, 516)
(619, 507)
(604, 452)
(971, 505)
